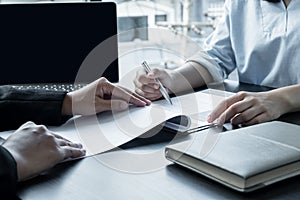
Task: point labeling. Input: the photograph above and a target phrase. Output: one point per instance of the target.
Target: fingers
(59, 137)
(64, 142)
(236, 108)
(245, 109)
(149, 95)
(146, 84)
(143, 78)
(149, 89)
(70, 149)
(157, 73)
(119, 93)
(72, 152)
(148, 102)
(257, 119)
(218, 112)
(246, 116)
(114, 105)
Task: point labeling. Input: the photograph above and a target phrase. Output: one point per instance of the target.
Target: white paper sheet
(108, 130)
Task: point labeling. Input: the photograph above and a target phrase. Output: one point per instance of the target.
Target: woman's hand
(36, 149)
(99, 96)
(147, 86)
(247, 108)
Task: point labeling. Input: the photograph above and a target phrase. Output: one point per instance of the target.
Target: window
(133, 26)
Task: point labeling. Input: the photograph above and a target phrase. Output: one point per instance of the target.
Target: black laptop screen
(47, 42)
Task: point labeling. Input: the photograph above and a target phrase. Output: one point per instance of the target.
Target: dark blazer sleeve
(19, 106)
(8, 175)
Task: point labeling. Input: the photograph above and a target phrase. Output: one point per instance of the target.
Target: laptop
(48, 45)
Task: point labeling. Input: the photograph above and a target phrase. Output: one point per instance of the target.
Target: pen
(162, 89)
(200, 128)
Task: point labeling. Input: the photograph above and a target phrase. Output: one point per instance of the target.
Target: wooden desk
(91, 178)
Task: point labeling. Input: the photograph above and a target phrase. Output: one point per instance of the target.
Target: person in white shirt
(259, 38)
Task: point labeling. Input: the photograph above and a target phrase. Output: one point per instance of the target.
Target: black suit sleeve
(8, 174)
(16, 108)
(20, 106)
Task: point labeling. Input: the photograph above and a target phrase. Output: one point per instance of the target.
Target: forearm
(67, 105)
(189, 76)
(20, 106)
(290, 98)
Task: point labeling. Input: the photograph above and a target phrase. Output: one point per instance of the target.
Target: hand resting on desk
(247, 108)
(36, 149)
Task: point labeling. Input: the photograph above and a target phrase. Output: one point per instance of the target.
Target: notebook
(244, 159)
(46, 44)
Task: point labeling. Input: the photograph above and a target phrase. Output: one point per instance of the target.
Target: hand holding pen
(161, 87)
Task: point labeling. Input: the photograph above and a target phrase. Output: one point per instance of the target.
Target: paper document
(108, 130)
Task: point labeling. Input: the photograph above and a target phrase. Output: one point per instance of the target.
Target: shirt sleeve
(218, 56)
(8, 174)
(19, 106)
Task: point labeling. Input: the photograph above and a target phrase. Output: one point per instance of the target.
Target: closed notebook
(244, 159)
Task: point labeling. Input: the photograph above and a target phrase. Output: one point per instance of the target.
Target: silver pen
(162, 89)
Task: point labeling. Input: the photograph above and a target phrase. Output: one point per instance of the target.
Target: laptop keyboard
(56, 87)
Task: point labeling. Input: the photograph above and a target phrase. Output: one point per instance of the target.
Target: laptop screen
(47, 42)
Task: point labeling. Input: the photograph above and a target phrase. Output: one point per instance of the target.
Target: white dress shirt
(258, 38)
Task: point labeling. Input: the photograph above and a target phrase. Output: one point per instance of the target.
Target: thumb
(115, 105)
(159, 72)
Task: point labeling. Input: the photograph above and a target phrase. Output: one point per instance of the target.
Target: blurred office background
(164, 32)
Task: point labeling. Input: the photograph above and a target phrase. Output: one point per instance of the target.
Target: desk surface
(93, 178)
